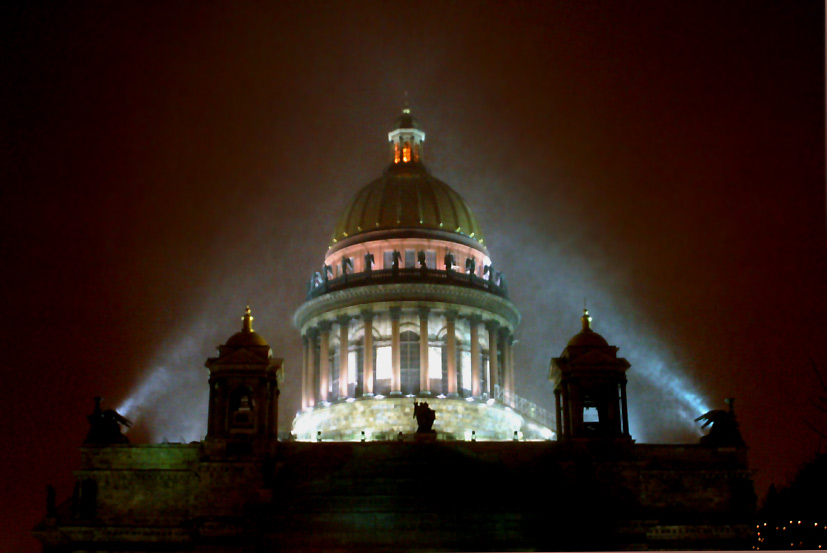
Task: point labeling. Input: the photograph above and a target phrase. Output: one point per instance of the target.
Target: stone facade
(407, 495)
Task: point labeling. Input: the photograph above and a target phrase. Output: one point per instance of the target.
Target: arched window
(242, 408)
(396, 153)
(406, 152)
(409, 361)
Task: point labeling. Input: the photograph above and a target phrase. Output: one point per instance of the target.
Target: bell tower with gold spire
(244, 392)
(590, 388)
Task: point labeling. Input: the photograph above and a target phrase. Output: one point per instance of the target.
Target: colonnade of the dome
(407, 350)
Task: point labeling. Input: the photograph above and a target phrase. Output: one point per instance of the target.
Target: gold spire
(247, 320)
(586, 320)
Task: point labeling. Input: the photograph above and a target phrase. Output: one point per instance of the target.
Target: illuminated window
(396, 152)
(384, 363)
(409, 361)
(466, 370)
(387, 259)
(352, 367)
(435, 362)
(410, 259)
(430, 258)
(406, 152)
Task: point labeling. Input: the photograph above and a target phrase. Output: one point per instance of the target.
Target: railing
(525, 407)
(319, 286)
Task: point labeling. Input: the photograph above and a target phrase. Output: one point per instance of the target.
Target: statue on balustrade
(396, 258)
(724, 431)
(422, 260)
(347, 266)
(105, 426)
(425, 417)
(449, 261)
(369, 262)
(470, 265)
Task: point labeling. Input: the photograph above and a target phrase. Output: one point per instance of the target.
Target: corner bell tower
(244, 391)
(590, 388)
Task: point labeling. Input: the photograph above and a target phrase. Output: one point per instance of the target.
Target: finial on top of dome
(405, 108)
(585, 319)
(247, 319)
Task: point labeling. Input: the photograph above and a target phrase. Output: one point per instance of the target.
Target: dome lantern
(406, 139)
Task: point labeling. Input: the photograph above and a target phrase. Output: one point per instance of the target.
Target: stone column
(623, 410)
(493, 366)
(566, 431)
(343, 354)
(511, 365)
(212, 412)
(396, 373)
(367, 368)
(311, 367)
(476, 380)
(451, 350)
(305, 383)
(324, 362)
(559, 412)
(506, 384)
(424, 377)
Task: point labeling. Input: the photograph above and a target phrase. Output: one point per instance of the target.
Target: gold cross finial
(247, 320)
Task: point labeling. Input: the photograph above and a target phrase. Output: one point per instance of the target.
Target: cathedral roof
(407, 198)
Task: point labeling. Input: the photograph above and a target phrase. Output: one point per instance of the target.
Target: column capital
(311, 332)
(424, 312)
(474, 319)
(505, 332)
(325, 326)
(492, 326)
(367, 315)
(396, 313)
(451, 314)
(343, 319)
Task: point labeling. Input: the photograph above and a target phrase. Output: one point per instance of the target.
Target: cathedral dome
(407, 199)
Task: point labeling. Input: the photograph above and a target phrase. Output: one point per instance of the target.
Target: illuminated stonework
(382, 418)
(409, 303)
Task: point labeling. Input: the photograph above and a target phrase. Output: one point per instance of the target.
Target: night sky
(165, 163)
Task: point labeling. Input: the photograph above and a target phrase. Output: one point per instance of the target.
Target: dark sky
(164, 163)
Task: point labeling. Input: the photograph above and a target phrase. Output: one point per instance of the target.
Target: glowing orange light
(406, 152)
(396, 152)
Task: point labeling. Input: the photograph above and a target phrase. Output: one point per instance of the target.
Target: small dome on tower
(587, 336)
(247, 336)
(406, 121)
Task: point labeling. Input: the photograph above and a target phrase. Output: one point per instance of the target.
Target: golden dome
(247, 336)
(407, 200)
(587, 336)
